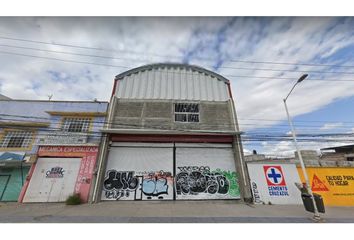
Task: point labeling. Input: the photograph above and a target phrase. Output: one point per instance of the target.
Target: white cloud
(287, 148)
(137, 41)
(329, 126)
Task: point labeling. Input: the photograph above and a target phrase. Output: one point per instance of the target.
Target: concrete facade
(341, 156)
(157, 114)
(28, 125)
(144, 115)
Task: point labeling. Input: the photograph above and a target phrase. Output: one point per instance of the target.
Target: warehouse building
(172, 134)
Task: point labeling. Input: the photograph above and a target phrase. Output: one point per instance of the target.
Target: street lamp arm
(290, 91)
(302, 78)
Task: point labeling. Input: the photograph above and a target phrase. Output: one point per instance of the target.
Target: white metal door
(205, 171)
(139, 171)
(53, 180)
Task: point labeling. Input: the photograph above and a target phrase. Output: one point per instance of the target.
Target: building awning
(11, 156)
(11, 159)
(341, 148)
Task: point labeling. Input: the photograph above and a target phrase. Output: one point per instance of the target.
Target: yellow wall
(338, 181)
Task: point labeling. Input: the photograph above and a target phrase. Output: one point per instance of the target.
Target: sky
(261, 56)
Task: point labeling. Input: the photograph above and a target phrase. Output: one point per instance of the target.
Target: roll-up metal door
(53, 180)
(205, 171)
(139, 171)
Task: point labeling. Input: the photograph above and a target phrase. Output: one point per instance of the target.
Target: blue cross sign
(274, 175)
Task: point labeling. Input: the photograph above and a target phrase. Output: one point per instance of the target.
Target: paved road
(167, 212)
(105, 219)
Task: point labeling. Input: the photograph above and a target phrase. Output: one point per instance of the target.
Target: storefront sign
(63, 138)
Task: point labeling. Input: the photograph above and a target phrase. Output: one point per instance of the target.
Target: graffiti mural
(231, 176)
(156, 184)
(189, 182)
(194, 180)
(120, 184)
(131, 185)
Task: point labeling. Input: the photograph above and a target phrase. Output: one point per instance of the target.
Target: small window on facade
(76, 124)
(187, 112)
(17, 139)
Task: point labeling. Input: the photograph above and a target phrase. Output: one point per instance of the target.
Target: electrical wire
(169, 56)
(298, 126)
(221, 67)
(185, 74)
(245, 137)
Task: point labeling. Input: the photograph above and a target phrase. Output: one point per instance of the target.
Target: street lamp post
(316, 213)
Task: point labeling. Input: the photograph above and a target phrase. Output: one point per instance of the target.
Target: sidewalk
(168, 211)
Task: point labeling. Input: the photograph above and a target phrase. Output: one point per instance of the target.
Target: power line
(169, 56)
(273, 129)
(63, 60)
(69, 53)
(126, 67)
(247, 137)
(130, 59)
(269, 140)
(57, 132)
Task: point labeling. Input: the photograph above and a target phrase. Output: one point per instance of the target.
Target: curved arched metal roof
(171, 65)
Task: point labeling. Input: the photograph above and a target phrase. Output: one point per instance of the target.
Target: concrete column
(243, 177)
(102, 155)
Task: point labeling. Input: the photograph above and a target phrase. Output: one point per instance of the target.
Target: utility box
(306, 199)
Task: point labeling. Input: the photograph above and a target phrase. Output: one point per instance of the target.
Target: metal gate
(4, 181)
(53, 180)
(139, 171)
(170, 171)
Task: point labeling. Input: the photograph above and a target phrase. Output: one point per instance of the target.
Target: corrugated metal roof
(3, 97)
(172, 81)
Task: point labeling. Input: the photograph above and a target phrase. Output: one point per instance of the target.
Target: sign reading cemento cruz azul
(274, 183)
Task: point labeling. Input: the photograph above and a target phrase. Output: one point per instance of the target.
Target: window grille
(76, 124)
(187, 112)
(17, 139)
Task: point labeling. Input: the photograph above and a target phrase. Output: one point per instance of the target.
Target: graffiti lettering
(155, 186)
(119, 184)
(191, 181)
(55, 172)
(256, 196)
(194, 168)
(234, 189)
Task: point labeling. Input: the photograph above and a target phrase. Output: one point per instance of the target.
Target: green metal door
(4, 181)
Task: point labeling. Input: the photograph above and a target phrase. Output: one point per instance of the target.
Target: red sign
(274, 175)
(318, 185)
